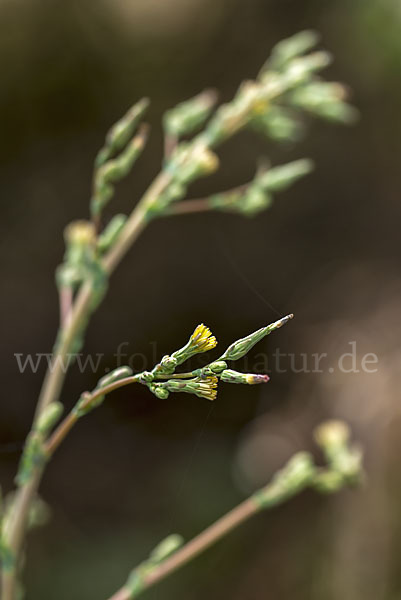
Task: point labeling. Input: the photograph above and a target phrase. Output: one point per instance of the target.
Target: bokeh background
(328, 250)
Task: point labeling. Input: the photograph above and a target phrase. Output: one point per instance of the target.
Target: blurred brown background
(140, 468)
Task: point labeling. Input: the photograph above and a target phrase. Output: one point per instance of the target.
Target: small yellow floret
(206, 387)
(202, 339)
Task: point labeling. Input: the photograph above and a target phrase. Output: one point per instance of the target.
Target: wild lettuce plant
(274, 104)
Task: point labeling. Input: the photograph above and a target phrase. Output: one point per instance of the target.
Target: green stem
(66, 425)
(177, 376)
(53, 383)
(196, 546)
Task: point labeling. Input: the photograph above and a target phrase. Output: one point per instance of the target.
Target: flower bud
(168, 363)
(80, 233)
(218, 366)
(111, 233)
(115, 169)
(325, 100)
(254, 201)
(160, 392)
(166, 547)
(281, 177)
(279, 124)
(296, 475)
(290, 48)
(230, 376)
(146, 377)
(187, 116)
(241, 347)
(300, 70)
(120, 134)
(49, 416)
(116, 375)
(332, 434)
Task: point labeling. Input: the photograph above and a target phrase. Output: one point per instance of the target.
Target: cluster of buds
(80, 254)
(110, 166)
(286, 76)
(344, 459)
(203, 382)
(305, 90)
(203, 387)
(344, 467)
(287, 84)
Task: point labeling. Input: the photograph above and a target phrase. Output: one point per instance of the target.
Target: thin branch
(177, 375)
(299, 473)
(188, 206)
(170, 143)
(196, 546)
(252, 96)
(50, 392)
(202, 204)
(136, 222)
(55, 376)
(66, 299)
(67, 424)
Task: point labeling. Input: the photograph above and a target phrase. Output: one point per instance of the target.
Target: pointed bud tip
(210, 95)
(285, 319)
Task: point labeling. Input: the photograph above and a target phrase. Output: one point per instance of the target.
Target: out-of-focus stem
(67, 424)
(196, 546)
(66, 300)
(54, 380)
(189, 207)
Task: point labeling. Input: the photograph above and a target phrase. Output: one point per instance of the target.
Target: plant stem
(136, 222)
(200, 204)
(196, 546)
(177, 376)
(81, 309)
(188, 207)
(66, 300)
(56, 373)
(55, 376)
(67, 424)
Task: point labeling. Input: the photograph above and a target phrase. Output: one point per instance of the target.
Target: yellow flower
(202, 339)
(205, 387)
